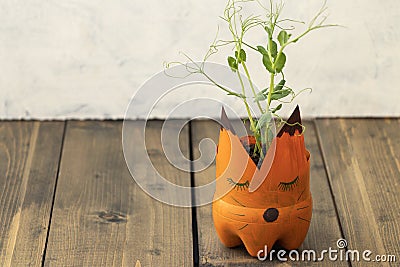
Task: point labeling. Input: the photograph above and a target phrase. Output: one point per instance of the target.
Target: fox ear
(225, 123)
(293, 124)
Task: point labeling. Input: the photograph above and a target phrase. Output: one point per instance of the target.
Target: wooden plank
(324, 229)
(101, 217)
(29, 155)
(362, 158)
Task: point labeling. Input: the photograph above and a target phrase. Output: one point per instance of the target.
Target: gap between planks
(54, 194)
(322, 233)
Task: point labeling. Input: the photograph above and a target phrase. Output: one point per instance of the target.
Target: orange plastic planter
(279, 210)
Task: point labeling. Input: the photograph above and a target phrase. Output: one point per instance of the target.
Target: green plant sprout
(271, 99)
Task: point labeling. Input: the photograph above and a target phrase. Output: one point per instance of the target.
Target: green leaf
(242, 57)
(280, 63)
(262, 50)
(263, 120)
(268, 64)
(232, 63)
(283, 37)
(260, 96)
(263, 94)
(268, 30)
(270, 136)
(277, 108)
(279, 86)
(280, 94)
(273, 49)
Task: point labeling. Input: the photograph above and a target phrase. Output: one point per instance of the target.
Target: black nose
(271, 214)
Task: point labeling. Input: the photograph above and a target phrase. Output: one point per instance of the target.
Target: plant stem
(251, 86)
(253, 126)
(221, 87)
(301, 36)
(271, 89)
(245, 101)
(249, 46)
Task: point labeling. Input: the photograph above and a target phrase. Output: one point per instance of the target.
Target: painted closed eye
(241, 186)
(288, 186)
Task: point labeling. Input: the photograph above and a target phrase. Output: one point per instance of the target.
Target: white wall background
(85, 59)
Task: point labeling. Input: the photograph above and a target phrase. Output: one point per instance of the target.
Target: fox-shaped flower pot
(275, 210)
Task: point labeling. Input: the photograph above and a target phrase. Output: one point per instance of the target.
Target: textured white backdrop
(85, 59)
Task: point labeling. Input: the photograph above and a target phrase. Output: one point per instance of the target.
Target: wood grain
(101, 217)
(324, 230)
(362, 159)
(29, 157)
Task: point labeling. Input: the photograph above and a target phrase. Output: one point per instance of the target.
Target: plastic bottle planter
(279, 210)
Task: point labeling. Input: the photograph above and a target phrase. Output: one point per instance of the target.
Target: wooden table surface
(67, 197)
